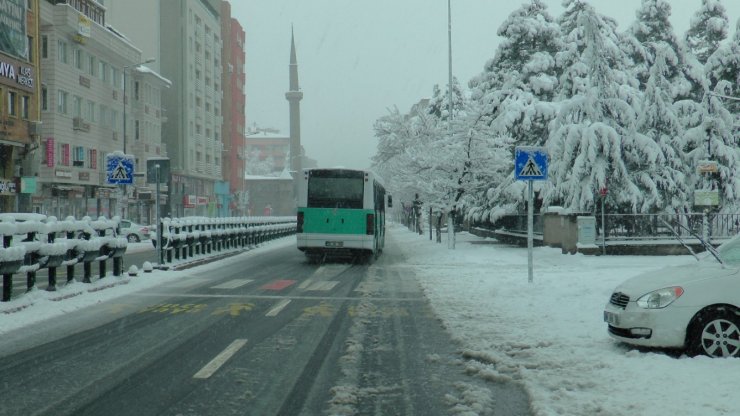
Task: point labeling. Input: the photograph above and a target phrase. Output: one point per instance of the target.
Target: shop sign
(202, 200)
(189, 201)
(63, 174)
(7, 187)
(84, 29)
(28, 185)
(21, 75)
(13, 27)
(83, 176)
(50, 152)
(103, 193)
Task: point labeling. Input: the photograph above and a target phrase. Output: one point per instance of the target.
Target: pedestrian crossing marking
(232, 284)
(531, 168)
(186, 283)
(119, 173)
(278, 307)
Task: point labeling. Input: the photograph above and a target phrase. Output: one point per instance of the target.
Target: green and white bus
(341, 212)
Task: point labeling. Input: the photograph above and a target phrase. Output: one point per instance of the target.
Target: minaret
(294, 96)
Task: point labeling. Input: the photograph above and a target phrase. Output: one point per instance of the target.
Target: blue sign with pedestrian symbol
(530, 163)
(119, 169)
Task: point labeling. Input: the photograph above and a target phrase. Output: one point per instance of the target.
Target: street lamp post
(125, 67)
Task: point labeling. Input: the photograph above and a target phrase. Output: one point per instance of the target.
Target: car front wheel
(715, 332)
(133, 238)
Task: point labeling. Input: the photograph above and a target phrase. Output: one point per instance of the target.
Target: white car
(695, 307)
(134, 232)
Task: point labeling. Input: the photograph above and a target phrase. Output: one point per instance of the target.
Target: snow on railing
(35, 241)
(189, 236)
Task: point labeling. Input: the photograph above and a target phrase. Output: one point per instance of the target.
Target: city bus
(341, 213)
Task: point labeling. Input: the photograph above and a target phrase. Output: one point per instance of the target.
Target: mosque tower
(294, 96)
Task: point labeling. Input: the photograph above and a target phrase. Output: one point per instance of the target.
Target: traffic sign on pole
(119, 168)
(530, 164)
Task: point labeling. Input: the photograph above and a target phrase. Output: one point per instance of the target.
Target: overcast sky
(358, 58)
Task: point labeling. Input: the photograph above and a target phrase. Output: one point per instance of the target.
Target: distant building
(271, 194)
(263, 146)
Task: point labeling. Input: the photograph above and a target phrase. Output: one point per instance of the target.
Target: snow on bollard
(133, 271)
(147, 267)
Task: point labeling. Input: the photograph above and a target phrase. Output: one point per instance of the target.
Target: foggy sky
(358, 58)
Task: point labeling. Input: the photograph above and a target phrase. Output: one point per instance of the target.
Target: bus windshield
(335, 192)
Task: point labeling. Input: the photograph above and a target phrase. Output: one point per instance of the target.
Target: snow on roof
(146, 70)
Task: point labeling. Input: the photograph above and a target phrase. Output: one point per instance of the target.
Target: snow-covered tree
(659, 121)
(724, 65)
(593, 142)
(439, 103)
(259, 165)
(512, 98)
(652, 28)
(708, 29)
(715, 140)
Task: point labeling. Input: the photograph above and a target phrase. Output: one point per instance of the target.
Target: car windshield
(730, 252)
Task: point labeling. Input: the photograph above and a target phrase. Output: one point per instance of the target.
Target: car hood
(674, 276)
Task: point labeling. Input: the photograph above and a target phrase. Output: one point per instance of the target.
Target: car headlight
(660, 298)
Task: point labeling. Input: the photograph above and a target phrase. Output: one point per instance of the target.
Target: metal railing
(652, 226)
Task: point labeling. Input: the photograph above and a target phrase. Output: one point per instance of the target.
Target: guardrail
(187, 237)
(34, 241)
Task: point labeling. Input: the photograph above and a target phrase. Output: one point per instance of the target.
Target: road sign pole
(530, 231)
(158, 225)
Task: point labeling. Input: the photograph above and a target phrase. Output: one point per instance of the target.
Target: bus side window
(390, 201)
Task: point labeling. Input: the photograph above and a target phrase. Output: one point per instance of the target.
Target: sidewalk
(549, 334)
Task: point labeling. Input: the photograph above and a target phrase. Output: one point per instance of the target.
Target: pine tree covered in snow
(439, 104)
(715, 139)
(724, 65)
(708, 29)
(593, 143)
(659, 121)
(513, 95)
(653, 28)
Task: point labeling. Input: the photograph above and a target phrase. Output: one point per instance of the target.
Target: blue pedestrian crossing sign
(119, 169)
(530, 163)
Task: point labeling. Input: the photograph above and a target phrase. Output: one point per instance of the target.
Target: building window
(44, 46)
(92, 156)
(136, 90)
(30, 48)
(44, 99)
(136, 129)
(78, 156)
(91, 111)
(76, 106)
(62, 102)
(62, 50)
(12, 104)
(77, 58)
(103, 71)
(25, 106)
(91, 65)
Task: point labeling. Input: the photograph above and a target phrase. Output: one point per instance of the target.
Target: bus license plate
(611, 318)
(335, 243)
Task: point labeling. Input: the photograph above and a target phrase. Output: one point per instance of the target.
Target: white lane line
(232, 284)
(278, 307)
(185, 283)
(220, 359)
(325, 286)
(305, 283)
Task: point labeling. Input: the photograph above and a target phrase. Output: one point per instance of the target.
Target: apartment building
(233, 109)
(19, 97)
(92, 81)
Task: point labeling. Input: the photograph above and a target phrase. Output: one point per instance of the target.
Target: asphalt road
(266, 334)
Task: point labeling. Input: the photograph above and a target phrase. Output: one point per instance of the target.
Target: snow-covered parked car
(694, 307)
(134, 232)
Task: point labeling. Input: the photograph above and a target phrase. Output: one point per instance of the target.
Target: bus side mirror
(390, 201)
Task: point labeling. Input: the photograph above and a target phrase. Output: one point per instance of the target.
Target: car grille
(619, 299)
